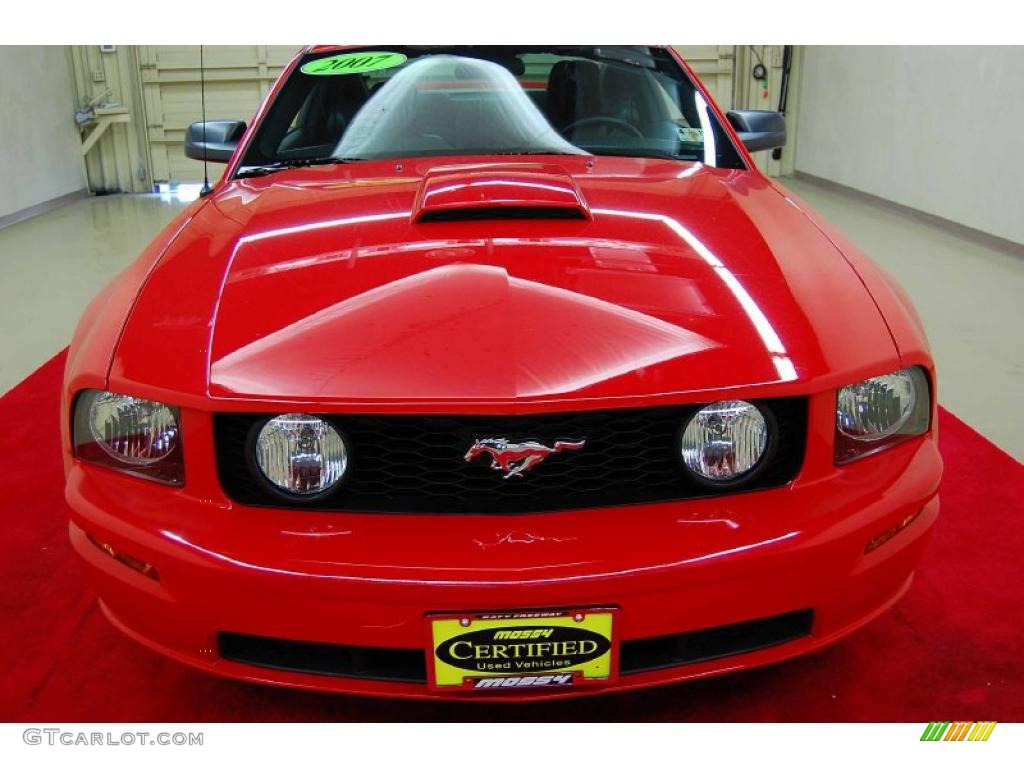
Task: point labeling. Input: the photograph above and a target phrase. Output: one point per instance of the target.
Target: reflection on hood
(423, 109)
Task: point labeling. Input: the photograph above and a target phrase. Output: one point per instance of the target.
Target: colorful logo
(353, 63)
(944, 730)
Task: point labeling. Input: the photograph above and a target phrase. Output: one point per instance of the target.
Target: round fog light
(301, 454)
(724, 440)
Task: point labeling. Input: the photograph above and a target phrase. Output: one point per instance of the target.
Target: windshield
(400, 102)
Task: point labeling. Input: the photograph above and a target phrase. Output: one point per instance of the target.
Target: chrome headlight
(301, 454)
(724, 441)
(141, 437)
(880, 411)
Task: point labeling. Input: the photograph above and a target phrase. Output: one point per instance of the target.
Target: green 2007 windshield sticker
(354, 63)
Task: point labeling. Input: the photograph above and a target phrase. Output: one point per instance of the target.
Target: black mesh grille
(409, 664)
(416, 463)
(706, 644)
(392, 664)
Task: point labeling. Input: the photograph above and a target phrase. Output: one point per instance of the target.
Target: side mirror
(759, 128)
(221, 138)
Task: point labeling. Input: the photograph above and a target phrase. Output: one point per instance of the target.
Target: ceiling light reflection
(772, 343)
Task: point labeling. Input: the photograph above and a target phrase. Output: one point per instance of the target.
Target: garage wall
(934, 128)
(107, 76)
(751, 93)
(714, 65)
(238, 77)
(40, 155)
(159, 86)
(726, 71)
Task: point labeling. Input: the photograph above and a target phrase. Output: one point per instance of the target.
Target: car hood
(499, 282)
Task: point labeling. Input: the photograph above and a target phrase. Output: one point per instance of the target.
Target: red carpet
(951, 650)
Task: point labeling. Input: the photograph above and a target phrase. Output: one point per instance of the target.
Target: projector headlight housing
(300, 456)
(129, 434)
(879, 412)
(725, 443)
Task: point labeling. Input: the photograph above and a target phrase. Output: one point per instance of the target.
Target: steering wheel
(612, 122)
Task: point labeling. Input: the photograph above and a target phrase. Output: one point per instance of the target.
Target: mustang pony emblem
(516, 458)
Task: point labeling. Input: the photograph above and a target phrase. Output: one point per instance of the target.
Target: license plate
(522, 650)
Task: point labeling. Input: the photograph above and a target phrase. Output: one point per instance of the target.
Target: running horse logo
(516, 458)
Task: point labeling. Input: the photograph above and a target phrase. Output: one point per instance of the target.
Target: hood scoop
(479, 193)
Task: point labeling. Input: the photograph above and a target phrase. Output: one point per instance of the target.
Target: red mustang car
(497, 372)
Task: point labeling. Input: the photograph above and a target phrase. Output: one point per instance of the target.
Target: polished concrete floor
(970, 295)
(52, 265)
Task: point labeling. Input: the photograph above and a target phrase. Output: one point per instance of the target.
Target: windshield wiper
(282, 165)
(535, 152)
(654, 153)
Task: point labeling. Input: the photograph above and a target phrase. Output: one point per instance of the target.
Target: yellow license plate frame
(522, 650)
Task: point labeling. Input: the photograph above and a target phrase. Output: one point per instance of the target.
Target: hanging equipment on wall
(787, 64)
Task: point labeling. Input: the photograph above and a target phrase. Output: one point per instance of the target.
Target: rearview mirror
(759, 128)
(216, 143)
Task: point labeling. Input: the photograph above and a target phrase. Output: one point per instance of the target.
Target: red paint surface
(326, 289)
(949, 649)
(684, 279)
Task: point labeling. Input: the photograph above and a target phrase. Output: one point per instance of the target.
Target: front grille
(706, 644)
(397, 665)
(409, 665)
(412, 464)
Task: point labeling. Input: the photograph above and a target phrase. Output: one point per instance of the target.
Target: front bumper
(369, 580)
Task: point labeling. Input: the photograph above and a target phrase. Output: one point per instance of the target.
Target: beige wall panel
(929, 127)
(119, 161)
(280, 55)
(237, 79)
(231, 71)
(181, 105)
(186, 57)
(752, 94)
(713, 64)
(160, 84)
(40, 157)
(727, 70)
